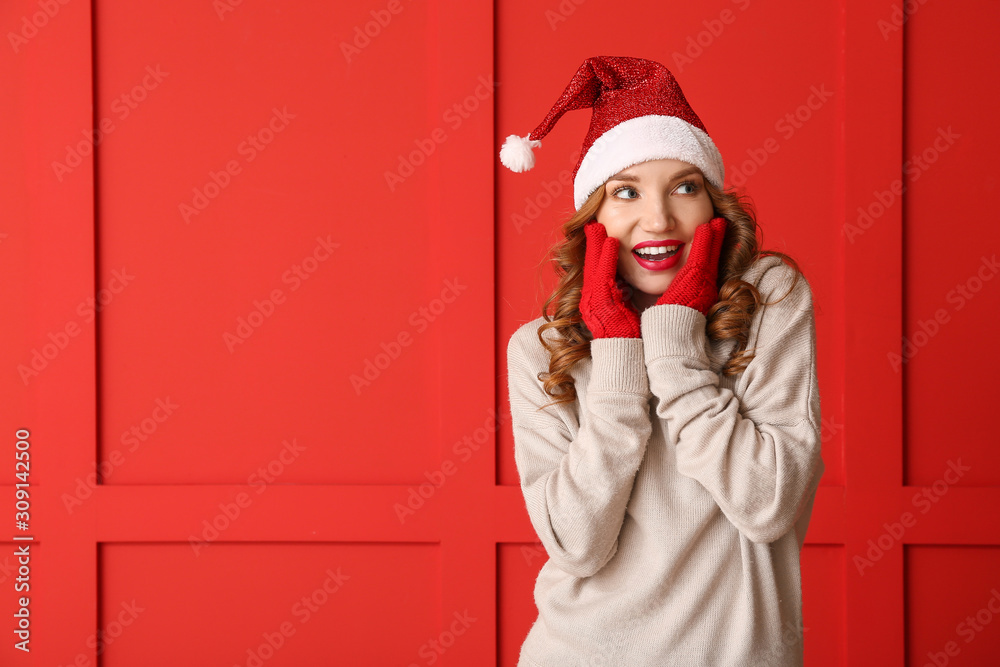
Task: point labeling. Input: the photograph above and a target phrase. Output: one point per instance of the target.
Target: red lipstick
(658, 262)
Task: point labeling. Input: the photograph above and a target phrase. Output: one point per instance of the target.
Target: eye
(624, 188)
(688, 184)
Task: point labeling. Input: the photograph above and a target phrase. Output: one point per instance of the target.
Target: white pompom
(516, 153)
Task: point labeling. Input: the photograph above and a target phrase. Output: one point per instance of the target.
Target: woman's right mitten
(604, 309)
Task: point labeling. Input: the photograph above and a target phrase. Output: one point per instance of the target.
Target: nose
(658, 216)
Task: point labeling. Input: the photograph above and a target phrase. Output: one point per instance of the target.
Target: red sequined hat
(639, 114)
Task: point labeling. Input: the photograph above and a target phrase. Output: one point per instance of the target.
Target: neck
(642, 301)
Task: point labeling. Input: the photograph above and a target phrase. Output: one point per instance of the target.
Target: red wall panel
(247, 196)
(952, 273)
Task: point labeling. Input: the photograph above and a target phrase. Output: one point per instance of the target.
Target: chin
(649, 291)
(654, 290)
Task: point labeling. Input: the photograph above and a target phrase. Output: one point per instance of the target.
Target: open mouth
(658, 257)
(652, 254)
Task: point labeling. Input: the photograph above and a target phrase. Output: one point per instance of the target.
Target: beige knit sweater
(672, 501)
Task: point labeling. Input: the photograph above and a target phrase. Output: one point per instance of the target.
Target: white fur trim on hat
(644, 138)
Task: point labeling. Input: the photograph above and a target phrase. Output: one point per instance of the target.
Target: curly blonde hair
(729, 318)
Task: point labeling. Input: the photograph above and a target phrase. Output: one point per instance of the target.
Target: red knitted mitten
(694, 285)
(602, 305)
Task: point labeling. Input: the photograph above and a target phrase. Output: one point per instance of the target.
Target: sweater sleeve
(576, 488)
(758, 457)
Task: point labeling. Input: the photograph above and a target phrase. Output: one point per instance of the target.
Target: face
(651, 205)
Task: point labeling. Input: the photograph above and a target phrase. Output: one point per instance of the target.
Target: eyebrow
(628, 177)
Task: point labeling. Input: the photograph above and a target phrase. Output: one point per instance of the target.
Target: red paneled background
(256, 323)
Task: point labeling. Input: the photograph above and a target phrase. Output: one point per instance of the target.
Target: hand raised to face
(694, 285)
(603, 307)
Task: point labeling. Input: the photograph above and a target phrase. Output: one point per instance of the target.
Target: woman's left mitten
(694, 285)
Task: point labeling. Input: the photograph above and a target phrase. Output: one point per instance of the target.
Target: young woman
(666, 415)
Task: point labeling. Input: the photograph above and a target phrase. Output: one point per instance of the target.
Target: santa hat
(639, 114)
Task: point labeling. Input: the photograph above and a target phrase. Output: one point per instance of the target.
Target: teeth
(656, 250)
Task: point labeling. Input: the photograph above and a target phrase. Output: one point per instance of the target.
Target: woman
(666, 416)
